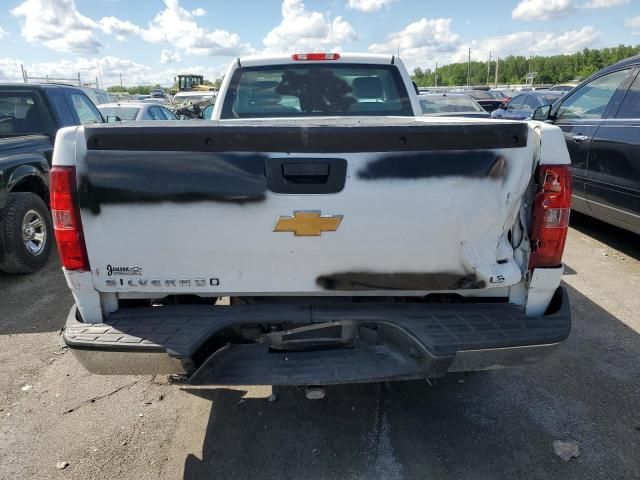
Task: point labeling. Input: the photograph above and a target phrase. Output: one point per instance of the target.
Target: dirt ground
(490, 425)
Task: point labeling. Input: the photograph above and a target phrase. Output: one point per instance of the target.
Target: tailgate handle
(305, 176)
(305, 172)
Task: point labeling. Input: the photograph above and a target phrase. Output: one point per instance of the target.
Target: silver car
(134, 111)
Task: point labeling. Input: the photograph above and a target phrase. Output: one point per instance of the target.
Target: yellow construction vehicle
(193, 83)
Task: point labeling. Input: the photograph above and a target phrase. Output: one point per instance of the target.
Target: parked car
(451, 105)
(308, 203)
(30, 116)
(600, 119)
(521, 107)
(135, 111)
(158, 93)
(486, 100)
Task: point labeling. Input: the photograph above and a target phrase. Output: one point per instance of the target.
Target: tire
(22, 255)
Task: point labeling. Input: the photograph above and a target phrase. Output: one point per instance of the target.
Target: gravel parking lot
(490, 425)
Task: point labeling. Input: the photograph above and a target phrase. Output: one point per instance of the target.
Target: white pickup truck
(316, 232)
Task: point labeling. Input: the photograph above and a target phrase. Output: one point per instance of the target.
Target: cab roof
(38, 86)
(623, 63)
(365, 58)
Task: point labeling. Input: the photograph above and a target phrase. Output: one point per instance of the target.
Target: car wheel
(27, 233)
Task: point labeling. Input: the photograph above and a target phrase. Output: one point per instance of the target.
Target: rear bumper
(387, 341)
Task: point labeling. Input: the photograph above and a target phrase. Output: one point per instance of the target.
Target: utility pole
(488, 68)
(469, 69)
(121, 80)
(497, 67)
(436, 73)
(100, 74)
(24, 74)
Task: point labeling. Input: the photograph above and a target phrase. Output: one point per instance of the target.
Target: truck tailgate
(309, 207)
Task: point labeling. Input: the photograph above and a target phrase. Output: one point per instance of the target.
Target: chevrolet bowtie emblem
(308, 224)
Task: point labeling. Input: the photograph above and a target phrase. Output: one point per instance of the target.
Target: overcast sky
(151, 41)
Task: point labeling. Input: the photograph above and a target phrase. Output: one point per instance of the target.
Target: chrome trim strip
(614, 209)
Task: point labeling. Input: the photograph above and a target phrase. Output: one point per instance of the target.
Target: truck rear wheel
(27, 233)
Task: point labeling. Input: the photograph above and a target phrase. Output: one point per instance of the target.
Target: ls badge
(308, 223)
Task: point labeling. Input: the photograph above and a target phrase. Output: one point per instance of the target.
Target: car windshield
(316, 90)
(446, 104)
(125, 113)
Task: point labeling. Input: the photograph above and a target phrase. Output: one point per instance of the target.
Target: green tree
(513, 69)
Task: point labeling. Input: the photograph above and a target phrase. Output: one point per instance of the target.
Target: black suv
(601, 123)
(30, 116)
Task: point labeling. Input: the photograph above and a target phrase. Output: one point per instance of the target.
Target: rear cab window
(316, 90)
(20, 114)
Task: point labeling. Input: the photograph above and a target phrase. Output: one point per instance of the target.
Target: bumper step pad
(410, 340)
(255, 365)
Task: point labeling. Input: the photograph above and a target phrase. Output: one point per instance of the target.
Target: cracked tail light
(315, 56)
(551, 209)
(66, 219)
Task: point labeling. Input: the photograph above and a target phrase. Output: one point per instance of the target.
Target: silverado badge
(308, 223)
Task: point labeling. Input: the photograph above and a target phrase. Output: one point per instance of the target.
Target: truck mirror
(542, 113)
(113, 118)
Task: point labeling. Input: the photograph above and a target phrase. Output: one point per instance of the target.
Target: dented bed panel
(202, 221)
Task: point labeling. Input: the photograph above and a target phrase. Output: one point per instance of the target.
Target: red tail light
(66, 219)
(551, 209)
(315, 56)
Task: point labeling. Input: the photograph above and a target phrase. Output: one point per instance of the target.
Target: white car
(320, 231)
(135, 111)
